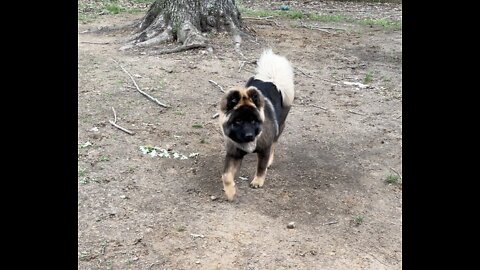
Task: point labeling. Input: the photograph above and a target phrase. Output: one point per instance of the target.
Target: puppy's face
(242, 114)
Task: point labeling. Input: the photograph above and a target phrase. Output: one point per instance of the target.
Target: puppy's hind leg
(259, 179)
(272, 152)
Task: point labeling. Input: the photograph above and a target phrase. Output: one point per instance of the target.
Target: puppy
(252, 118)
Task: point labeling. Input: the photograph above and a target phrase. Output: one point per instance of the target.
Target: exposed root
(142, 42)
(178, 49)
(188, 35)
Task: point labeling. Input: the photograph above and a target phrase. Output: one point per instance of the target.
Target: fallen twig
(313, 28)
(361, 85)
(180, 49)
(323, 28)
(313, 105)
(377, 259)
(327, 80)
(303, 72)
(266, 19)
(114, 123)
(331, 28)
(221, 88)
(350, 111)
(215, 115)
(330, 223)
(197, 235)
(396, 172)
(93, 42)
(320, 107)
(241, 66)
(246, 62)
(138, 88)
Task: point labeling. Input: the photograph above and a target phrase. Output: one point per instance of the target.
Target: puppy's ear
(229, 100)
(256, 97)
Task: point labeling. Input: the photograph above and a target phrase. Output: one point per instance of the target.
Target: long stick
(138, 88)
(221, 88)
(114, 123)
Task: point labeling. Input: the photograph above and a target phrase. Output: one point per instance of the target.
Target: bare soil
(340, 143)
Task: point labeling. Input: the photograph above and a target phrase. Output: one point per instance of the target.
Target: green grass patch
(358, 220)
(197, 126)
(179, 113)
(368, 78)
(298, 14)
(392, 179)
(326, 18)
(114, 8)
(89, 11)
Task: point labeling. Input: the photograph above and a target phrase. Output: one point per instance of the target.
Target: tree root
(142, 41)
(180, 48)
(188, 35)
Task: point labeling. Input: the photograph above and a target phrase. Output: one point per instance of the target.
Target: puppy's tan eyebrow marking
(245, 100)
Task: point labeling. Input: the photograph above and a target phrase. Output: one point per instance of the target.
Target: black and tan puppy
(253, 117)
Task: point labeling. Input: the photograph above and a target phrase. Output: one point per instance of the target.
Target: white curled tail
(278, 70)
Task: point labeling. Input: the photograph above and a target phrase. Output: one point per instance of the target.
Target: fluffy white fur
(278, 70)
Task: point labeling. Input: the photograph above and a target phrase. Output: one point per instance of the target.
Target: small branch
(313, 28)
(331, 28)
(266, 19)
(179, 49)
(320, 107)
(330, 223)
(303, 72)
(350, 111)
(396, 172)
(327, 80)
(114, 115)
(241, 66)
(377, 259)
(114, 123)
(138, 88)
(323, 29)
(93, 42)
(221, 88)
(215, 115)
(313, 105)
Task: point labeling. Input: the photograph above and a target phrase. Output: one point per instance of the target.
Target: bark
(185, 21)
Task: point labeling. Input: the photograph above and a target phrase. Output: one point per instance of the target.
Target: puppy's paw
(257, 182)
(229, 192)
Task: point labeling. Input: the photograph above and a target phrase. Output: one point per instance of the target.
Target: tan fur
(270, 159)
(245, 100)
(228, 179)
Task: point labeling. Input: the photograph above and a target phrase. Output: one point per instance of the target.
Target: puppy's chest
(247, 147)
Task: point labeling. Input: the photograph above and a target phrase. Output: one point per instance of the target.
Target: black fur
(244, 125)
(270, 92)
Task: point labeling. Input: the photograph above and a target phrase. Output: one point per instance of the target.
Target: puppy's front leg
(232, 163)
(263, 158)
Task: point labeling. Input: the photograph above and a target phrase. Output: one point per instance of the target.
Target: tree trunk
(185, 21)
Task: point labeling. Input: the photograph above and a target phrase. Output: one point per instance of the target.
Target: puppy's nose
(249, 136)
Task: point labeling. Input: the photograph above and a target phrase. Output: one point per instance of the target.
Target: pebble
(291, 225)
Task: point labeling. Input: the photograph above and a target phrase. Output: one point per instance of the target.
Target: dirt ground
(340, 143)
